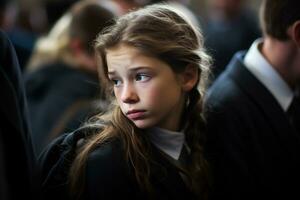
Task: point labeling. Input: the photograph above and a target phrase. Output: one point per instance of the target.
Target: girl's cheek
(153, 96)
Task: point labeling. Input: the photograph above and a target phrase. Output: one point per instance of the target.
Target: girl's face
(147, 90)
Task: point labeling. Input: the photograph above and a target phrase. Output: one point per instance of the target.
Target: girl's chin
(142, 124)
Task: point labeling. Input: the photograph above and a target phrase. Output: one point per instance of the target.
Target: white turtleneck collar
(170, 142)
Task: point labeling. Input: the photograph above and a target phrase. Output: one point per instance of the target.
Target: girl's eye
(142, 77)
(116, 82)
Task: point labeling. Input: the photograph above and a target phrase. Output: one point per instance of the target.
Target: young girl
(148, 145)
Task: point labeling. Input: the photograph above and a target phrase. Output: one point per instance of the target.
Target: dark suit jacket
(253, 150)
(17, 158)
(109, 176)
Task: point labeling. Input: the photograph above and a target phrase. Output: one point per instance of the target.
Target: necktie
(293, 113)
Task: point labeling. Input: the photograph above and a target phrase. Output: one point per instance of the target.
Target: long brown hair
(160, 32)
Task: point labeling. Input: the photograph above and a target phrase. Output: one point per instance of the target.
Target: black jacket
(253, 150)
(17, 161)
(108, 175)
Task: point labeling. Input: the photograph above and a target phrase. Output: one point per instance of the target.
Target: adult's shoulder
(223, 93)
(228, 108)
(226, 90)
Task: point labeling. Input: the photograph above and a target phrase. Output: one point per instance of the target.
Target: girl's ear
(189, 77)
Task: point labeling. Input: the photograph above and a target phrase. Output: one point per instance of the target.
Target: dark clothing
(253, 150)
(225, 37)
(293, 113)
(55, 162)
(17, 175)
(59, 99)
(108, 174)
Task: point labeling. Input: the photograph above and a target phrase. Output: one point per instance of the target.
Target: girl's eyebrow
(138, 68)
(133, 69)
(111, 73)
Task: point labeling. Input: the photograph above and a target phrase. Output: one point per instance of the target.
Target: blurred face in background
(127, 5)
(228, 7)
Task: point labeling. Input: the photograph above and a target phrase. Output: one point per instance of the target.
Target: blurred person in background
(62, 81)
(228, 28)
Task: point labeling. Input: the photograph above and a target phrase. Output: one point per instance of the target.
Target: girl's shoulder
(108, 174)
(108, 159)
(109, 151)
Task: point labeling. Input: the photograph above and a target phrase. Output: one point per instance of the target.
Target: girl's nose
(129, 94)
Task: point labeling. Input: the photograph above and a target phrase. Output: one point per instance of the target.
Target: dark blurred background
(26, 20)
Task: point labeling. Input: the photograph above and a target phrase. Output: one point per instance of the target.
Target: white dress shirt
(268, 76)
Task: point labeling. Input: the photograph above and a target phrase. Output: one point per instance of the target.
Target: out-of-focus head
(87, 21)
(277, 16)
(227, 7)
(128, 5)
(71, 38)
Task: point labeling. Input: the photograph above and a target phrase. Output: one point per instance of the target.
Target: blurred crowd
(26, 21)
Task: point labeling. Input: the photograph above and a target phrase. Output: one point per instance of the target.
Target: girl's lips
(136, 114)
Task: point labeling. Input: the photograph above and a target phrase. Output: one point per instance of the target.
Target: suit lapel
(261, 96)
